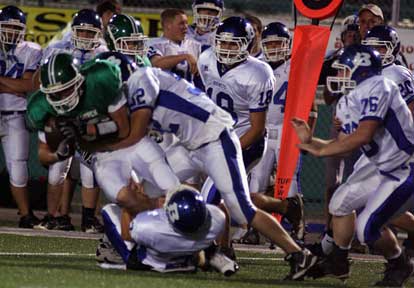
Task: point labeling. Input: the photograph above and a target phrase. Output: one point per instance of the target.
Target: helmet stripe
(132, 20)
(51, 72)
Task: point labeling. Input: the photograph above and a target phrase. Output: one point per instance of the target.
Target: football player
(125, 35)
(206, 17)
(276, 41)
(85, 43)
(182, 229)
(94, 97)
(19, 60)
(377, 120)
(240, 84)
(173, 51)
(205, 132)
(386, 41)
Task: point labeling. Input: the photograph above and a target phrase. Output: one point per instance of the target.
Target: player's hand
(69, 131)
(192, 62)
(302, 130)
(65, 149)
(67, 128)
(337, 124)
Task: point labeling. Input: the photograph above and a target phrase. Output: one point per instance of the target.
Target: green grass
(79, 269)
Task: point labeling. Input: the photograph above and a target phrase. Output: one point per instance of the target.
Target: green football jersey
(102, 88)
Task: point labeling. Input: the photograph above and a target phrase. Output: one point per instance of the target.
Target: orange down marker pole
(308, 52)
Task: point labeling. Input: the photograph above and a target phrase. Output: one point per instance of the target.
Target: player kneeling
(169, 239)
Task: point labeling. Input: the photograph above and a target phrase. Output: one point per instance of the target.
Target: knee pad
(18, 173)
(337, 205)
(87, 177)
(111, 176)
(58, 171)
(150, 164)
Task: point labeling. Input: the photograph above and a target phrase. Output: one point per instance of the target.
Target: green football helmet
(124, 34)
(61, 82)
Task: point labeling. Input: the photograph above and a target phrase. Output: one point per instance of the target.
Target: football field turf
(38, 261)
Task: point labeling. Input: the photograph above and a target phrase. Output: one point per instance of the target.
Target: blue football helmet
(126, 65)
(86, 30)
(12, 27)
(356, 64)
(233, 37)
(278, 34)
(205, 22)
(383, 36)
(187, 211)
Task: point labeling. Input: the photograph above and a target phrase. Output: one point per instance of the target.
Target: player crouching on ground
(168, 239)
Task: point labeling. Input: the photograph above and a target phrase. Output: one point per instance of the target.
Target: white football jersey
(25, 58)
(276, 110)
(378, 98)
(403, 78)
(178, 107)
(206, 39)
(164, 47)
(79, 56)
(246, 88)
(163, 245)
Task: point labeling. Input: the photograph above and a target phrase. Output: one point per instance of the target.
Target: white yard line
(46, 254)
(66, 254)
(48, 233)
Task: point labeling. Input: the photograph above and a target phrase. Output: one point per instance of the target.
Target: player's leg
(223, 163)
(111, 215)
(349, 197)
(149, 162)
(113, 172)
(392, 198)
(57, 174)
(406, 223)
(292, 206)
(90, 196)
(16, 150)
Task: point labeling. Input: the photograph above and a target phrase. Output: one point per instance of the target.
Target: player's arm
(126, 219)
(64, 150)
(36, 79)
(170, 61)
(18, 86)
(139, 121)
(106, 134)
(46, 156)
(256, 130)
(411, 107)
(363, 135)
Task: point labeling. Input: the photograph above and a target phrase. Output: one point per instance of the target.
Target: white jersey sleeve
(165, 47)
(143, 89)
(403, 78)
(25, 58)
(261, 89)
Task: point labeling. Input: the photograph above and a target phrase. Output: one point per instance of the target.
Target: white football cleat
(223, 264)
